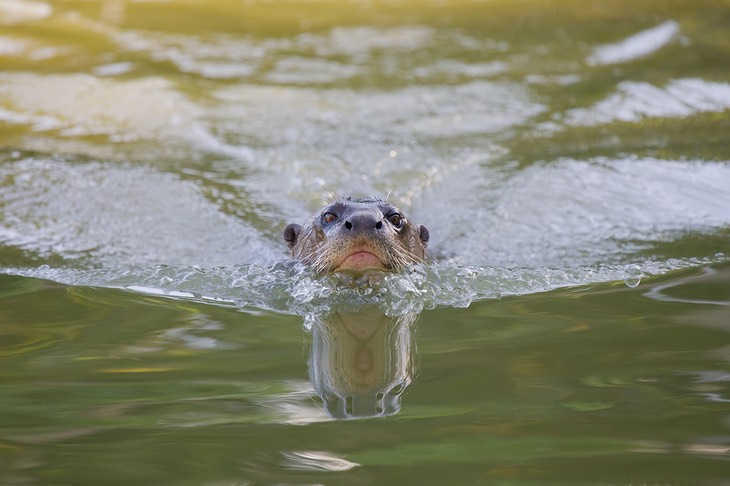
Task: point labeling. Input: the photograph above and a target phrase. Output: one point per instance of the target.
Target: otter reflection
(361, 361)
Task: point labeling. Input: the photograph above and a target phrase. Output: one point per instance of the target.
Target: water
(569, 159)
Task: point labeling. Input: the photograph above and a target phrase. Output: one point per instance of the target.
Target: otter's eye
(329, 217)
(396, 220)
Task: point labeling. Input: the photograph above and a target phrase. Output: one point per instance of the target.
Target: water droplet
(393, 153)
(632, 275)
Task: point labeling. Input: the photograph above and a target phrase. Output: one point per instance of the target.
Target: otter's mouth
(361, 260)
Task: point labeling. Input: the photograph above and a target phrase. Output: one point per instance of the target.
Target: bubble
(402, 288)
(303, 290)
(632, 275)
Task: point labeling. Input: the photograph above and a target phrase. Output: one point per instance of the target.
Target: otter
(357, 235)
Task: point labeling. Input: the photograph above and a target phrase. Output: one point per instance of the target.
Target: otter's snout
(363, 222)
(356, 235)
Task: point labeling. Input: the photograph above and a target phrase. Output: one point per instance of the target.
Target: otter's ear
(291, 234)
(424, 234)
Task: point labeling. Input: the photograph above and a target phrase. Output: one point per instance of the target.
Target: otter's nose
(363, 222)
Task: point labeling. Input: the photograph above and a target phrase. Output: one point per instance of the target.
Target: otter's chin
(361, 261)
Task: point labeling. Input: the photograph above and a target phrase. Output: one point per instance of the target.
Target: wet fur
(324, 249)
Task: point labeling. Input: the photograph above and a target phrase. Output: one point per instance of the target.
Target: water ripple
(636, 46)
(636, 100)
(95, 213)
(14, 12)
(291, 289)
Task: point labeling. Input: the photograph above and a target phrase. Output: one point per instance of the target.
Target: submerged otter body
(356, 235)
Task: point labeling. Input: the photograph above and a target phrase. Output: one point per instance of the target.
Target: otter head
(356, 235)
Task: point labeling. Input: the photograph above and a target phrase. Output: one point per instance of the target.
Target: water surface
(569, 158)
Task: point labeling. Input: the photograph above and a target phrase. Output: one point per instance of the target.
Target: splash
(292, 289)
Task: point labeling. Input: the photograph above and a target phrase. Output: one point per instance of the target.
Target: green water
(570, 159)
(601, 385)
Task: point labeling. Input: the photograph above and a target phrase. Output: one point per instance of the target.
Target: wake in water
(543, 227)
(287, 289)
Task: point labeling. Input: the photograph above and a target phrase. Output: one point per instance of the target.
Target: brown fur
(351, 226)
